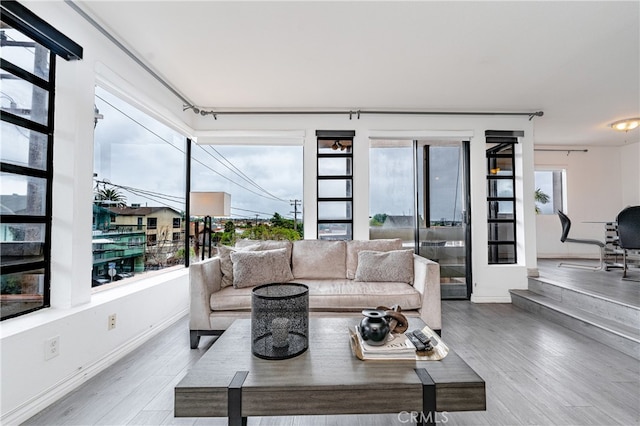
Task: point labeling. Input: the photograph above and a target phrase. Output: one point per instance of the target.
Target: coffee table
(327, 379)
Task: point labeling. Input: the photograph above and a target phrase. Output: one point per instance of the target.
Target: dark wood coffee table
(228, 381)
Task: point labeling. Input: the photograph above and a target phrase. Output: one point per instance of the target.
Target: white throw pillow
(390, 266)
(251, 268)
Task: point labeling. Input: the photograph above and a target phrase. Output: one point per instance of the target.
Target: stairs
(610, 322)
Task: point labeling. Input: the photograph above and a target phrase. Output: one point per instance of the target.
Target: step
(598, 304)
(624, 337)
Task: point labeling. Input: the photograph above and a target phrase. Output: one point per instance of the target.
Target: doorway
(419, 192)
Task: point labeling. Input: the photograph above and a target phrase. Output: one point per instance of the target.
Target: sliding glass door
(419, 193)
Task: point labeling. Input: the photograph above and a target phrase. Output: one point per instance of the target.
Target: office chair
(566, 226)
(628, 233)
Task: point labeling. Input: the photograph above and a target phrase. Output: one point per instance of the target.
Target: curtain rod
(561, 150)
(128, 52)
(351, 113)
(568, 151)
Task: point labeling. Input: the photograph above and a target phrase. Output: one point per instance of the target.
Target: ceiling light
(626, 124)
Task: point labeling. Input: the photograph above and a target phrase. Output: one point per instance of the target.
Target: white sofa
(344, 277)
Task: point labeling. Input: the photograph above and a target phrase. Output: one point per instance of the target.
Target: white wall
(630, 174)
(600, 183)
(79, 318)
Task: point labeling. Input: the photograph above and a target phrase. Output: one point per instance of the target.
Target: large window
(26, 159)
(139, 173)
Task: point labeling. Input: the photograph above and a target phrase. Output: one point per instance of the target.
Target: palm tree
(109, 197)
(541, 198)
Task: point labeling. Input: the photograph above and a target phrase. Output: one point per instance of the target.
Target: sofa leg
(195, 338)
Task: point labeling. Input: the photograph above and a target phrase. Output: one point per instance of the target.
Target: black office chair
(628, 233)
(566, 226)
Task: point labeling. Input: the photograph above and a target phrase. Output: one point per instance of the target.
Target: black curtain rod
(358, 113)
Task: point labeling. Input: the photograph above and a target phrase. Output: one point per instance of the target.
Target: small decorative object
(374, 327)
(398, 323)
(279, 320)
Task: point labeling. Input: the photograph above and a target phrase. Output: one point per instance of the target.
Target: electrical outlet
(112, 322)
(52, 347)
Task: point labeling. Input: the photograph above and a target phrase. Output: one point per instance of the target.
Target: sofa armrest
(205, 278)
(426, 279)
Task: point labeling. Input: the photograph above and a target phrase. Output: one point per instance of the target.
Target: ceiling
(579, 62)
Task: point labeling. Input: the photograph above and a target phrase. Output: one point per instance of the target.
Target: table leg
(428, 417)
(234, 403)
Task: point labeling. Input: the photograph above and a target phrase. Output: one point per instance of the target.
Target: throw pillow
(226, 266)
(356, 246)
(390, 266)
(319, 259)
(251, 268)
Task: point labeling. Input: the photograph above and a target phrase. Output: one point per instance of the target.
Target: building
(578, 62)
(164, 230)
(118, 249)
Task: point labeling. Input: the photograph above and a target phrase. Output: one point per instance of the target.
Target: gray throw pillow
(251, 268)
(390, 266)
(226, 266)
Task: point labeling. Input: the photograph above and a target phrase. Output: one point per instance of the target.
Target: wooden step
(563, 310)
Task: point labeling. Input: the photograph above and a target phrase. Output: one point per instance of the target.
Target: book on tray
(397, 346)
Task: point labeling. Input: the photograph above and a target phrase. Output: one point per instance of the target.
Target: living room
(602, 176)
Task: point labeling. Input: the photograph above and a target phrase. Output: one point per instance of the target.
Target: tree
(110, 196)
(264, 232)
(541, 198)
(378, 219)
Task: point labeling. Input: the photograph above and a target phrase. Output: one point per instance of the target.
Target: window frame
(499, 141)
(336, 136)
(19, 18)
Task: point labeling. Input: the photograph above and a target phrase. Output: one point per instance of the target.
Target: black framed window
(28, 62)
(176, 222)
(501, 196)
(335, 184)
(152, 223)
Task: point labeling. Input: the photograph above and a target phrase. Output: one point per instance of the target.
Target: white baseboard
(38, 403)
(490, 299)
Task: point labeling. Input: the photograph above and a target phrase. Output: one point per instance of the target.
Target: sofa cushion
(377, 266)
(335, 295)
(355, 246)
(319, 259)
(252, 268)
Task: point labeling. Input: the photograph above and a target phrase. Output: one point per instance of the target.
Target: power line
(139, 123)
(142, 192)
(240, 173)
(230, 180)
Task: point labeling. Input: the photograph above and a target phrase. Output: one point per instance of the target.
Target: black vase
(374, 327)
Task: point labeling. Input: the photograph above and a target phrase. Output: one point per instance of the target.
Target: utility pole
(295, 204)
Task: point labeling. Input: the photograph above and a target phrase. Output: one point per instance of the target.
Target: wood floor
(536, 373)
